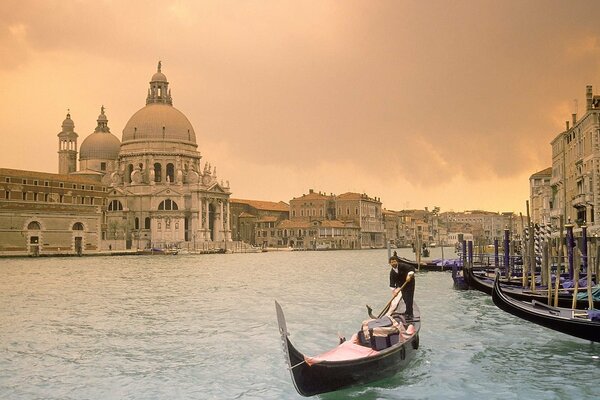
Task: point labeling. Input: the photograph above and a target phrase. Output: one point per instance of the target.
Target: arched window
(171, 172)
(137, 223)
(157, 172)
(129, 171)
(34, 226)
(168, 205)
(147, 223)
(115, 205)
(77, 226)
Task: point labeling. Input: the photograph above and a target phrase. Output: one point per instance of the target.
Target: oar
(387, 306)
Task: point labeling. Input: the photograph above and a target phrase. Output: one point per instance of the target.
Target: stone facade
(540, 193)
(46, 214)
(245, 214)
(575, 181)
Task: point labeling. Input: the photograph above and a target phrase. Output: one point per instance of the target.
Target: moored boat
(574, 322)
(525, 294)
(349, 363)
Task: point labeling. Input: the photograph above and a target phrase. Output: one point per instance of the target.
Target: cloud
(341, 94)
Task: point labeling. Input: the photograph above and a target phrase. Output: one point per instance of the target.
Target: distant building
(575, 181)
(366, 212)
(313, 235)
(245, 214)
(540, 196)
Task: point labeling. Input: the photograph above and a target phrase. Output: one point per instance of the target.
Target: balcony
(578, 200)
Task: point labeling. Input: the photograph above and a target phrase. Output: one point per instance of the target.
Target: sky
(421, 104)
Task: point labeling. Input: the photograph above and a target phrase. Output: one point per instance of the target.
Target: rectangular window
(24, 181)
(35, 197)
(102, 166)
(35, 183)
(46, 183)
(82, 187)
(74, 186)
(92, 187)
(7, 195)
(24, 195)
(61, 198)
(61, 184)
(7, 180)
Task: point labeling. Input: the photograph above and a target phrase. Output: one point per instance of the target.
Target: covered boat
(515, 291)
(348, 364)
(584, 324)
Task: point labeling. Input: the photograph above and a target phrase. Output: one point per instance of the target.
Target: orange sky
(438, 103)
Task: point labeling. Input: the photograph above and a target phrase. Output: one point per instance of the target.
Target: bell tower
(67, 147)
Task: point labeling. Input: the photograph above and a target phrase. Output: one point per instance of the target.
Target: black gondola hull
(515, 292)
(328, 376)
(559, 319)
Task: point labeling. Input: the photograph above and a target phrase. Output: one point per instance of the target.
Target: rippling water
(204, 327)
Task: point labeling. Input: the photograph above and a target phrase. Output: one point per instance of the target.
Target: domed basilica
(159, 193)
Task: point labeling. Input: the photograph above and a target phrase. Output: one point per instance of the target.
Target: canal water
(204, 327)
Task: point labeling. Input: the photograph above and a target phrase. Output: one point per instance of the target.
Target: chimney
(567, 122)
(588, 97)
(310, 191)
(574, 115)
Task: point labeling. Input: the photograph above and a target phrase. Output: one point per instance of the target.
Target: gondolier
(401, 277)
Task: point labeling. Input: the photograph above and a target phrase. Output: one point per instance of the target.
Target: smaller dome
(68, 123)
(159, 77)
(100, 146)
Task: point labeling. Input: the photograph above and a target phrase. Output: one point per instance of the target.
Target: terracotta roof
(355, 196)
(543, 173)
(263, 205)
(324, 223)
(314, 196)
(244, 214)
(267, 218)
(286, 223)
(45, 175)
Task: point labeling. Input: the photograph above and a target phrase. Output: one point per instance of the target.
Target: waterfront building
(365, 212)
(147, 190)
(307, 235)
(485, 226)
(575, 181)
(392, 227)
(245, 214)
(540, 195)
(160, 194)
(314, 206)
(43, 213)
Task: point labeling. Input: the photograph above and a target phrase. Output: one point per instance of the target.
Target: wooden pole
(418, 249)
(576, 267)
(561, 253)
(531, 248)
(588, 275)
(546, 267)
(525, 256)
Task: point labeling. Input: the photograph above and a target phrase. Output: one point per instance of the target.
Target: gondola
(485, 285)
(349, 363)
(566, 320)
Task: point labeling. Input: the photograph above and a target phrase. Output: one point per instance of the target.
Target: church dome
(159, 122)
(100, 145)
